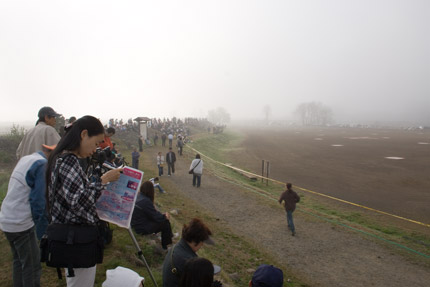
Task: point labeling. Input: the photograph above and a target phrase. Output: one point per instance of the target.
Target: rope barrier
(313, 192)
(270, 197)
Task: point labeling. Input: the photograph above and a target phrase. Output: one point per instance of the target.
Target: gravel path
(321, 254)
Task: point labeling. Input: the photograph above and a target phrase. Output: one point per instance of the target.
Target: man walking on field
(290, 198)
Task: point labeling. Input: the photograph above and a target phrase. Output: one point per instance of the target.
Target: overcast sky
(367, 60)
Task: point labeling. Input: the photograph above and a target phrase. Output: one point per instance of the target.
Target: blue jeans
(197, 177)
(26, 258)
(290, 221)
(160, 188)
(160, 170)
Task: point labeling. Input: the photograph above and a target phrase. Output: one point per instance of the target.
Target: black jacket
(146, 218)
(181, 253)
(170, 160)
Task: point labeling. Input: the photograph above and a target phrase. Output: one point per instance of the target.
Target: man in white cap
(43, 133)
(123, 277)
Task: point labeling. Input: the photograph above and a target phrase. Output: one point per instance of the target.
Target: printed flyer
(116, 203)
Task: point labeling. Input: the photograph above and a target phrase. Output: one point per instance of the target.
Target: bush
(9, 143)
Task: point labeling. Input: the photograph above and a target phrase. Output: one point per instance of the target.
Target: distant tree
(219, 116)
(267, 112)
(60, 123)
(314, 113)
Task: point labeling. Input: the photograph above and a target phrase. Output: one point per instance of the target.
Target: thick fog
(365, 60)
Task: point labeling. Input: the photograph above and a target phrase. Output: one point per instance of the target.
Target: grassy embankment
(232, 252)
(375, 226)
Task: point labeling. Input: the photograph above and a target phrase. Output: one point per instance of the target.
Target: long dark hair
(198, 272)
(147, 189)
(72, 141)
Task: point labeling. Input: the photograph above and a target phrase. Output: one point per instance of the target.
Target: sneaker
(175, 235)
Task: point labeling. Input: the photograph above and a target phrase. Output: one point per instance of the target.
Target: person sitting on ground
(199, 272)
(194, 235)
(146, 219)
(267, 275)
(154, 181)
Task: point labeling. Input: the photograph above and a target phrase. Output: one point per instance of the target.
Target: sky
(367, 60)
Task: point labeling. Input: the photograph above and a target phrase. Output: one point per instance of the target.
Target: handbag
(191, 171)
(71, 246)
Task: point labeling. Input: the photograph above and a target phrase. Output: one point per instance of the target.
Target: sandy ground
(321, 254)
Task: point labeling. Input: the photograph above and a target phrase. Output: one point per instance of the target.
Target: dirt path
(321, 254)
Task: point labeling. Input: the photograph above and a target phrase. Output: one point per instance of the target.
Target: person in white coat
(196, 169)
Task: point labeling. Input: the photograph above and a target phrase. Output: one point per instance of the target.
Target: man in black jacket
(291, 198)
(170, 160)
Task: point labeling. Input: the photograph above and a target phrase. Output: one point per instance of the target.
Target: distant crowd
(49, 212)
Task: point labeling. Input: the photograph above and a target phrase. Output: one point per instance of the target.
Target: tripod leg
(140, 253)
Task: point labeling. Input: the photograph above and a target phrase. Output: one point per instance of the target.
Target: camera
(102, 155)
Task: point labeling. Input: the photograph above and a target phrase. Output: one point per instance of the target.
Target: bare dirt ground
(321, 254)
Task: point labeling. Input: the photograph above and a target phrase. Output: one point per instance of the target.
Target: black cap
(47, 111)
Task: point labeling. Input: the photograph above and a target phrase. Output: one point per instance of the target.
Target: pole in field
(262, 170)
(267, 173)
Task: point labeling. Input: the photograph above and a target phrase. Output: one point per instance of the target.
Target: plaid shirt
(72, 200)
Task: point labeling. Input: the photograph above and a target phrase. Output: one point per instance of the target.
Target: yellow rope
(314, 192)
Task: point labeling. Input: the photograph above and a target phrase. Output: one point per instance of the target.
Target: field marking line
(314, 192)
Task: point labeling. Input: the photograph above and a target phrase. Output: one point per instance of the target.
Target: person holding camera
(71, 197)
(106, 140)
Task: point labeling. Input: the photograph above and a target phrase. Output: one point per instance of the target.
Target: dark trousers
(198, 178)
(26, 258)
(160, 170)
(163, 227)
(170, 167)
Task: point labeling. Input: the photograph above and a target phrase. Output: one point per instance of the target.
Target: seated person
(200, 272)
(267, 275)
(156, 184)
(146, 219)
(193, 236)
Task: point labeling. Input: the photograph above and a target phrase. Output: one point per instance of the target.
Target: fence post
(267, 173)
(262, 171)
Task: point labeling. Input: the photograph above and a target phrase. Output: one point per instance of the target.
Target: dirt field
(321, 253)
(355, 169)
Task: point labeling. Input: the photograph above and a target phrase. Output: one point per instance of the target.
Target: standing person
(43, 133)
(170, 159)
(194, 235)
(140, 143)
(23, 217)
(196, 169)
(106, 141)
(135, 158)
(146, 219)
(155, 138)
(70, 196)
(170, 137)
(290, 198)
(180, 145)
(163, 139)
(160, 163)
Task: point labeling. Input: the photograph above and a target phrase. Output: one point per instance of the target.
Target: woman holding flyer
(70, 196)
